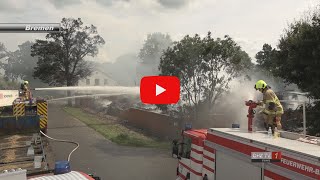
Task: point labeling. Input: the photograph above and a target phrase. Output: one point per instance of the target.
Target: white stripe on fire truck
(209, 163)
(183, 170)
(190, 169)
(209, 154)
(209, 158)
(181, 177)
(208, 168)
(195, 176)
(196, 166)
(196, 156)
(210, 149)
(196, 147)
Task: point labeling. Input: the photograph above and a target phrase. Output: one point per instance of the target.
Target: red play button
(160, 90)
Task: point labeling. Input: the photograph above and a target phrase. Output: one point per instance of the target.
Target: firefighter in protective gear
(25, 90)
(273, 109)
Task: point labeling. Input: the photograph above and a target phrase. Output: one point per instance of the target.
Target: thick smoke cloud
(63, 3)
(173, 3)
(110, 2)
(5, 6)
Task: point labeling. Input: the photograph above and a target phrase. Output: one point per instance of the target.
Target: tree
(151, 52)
(123, 70)
(298, 57)
(61, 56)
(297, 60)
(266, 65)
(8, 60)
(265, 58)
(19, 64)
(205, 67)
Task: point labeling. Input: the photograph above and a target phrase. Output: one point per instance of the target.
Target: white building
(98, 78)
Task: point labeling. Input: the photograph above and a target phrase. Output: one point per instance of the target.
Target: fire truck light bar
(29, 27)
(265, 156)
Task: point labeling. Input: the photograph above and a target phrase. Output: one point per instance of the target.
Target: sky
(124, 24)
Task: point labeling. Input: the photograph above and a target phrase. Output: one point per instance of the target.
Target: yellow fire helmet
(25, 82)
(260, 85)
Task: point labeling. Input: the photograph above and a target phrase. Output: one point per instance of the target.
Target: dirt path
(99, 156)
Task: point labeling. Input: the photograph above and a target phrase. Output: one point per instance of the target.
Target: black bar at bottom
(265, 160)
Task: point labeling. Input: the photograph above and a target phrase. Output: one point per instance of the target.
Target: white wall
(101, 77)
(7, 97)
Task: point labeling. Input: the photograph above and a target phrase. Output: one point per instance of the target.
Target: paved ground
(101, 157)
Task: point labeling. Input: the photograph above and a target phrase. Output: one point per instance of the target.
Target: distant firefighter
(25, 90)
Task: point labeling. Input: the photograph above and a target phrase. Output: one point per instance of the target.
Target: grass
(117, 133)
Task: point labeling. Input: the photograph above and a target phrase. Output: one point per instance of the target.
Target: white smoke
(232, 106)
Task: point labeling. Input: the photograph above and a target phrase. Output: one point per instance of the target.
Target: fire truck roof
(199, 133)
(261, 138)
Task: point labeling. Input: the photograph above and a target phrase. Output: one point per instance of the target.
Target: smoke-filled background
(233, 109)
(135, 36)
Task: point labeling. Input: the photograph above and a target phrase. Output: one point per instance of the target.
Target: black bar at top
(29, 27)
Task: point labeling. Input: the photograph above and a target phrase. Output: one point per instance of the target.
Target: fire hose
(61, 140)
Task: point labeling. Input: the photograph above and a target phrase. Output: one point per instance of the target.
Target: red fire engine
(234, 153)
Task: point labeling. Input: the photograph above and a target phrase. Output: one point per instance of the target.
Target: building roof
(102, 72)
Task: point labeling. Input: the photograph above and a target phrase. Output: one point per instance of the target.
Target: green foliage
(152, 50)
(61, 55)
(20, 64)
(313, 123)
(205, 67)
(117, 133)
(10, 85)
(265, 59)
(299, 56)
(9, 59)
(297, 60)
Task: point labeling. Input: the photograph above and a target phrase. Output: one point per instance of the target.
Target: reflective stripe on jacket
(268, 97)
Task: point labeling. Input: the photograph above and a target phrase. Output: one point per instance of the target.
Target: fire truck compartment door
(230, 167)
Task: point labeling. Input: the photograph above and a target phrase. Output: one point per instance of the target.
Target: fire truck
(24, 151)
(231, 153)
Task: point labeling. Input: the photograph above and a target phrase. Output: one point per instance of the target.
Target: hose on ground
(61, 140)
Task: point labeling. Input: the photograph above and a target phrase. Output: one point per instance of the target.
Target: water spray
(122, 89)
(88, 95)
(107, 91)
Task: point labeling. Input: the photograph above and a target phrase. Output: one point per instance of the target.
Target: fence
(155, 124)
(304, 113)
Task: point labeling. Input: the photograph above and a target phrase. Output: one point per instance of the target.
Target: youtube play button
(160, 90)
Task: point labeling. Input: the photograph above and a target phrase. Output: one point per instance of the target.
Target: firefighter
(175, 148)
(25, 90)
(273, 109)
